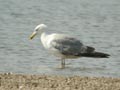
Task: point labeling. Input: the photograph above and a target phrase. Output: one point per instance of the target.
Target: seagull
(65, 46)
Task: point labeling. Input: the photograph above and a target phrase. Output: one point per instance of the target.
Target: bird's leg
(62, 63)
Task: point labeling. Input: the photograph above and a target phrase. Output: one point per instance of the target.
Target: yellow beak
(33, 35)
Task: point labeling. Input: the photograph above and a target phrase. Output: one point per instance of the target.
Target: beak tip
(30, 38)
(32, 35)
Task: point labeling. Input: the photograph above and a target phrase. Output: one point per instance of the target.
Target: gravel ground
(9, 81)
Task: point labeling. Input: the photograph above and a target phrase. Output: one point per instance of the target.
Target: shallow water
(96, 23)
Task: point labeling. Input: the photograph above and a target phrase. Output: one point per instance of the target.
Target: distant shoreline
(50, 82)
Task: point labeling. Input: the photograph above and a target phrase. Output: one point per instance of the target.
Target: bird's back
(65, 44)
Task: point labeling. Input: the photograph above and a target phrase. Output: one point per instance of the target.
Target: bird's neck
(43, 38)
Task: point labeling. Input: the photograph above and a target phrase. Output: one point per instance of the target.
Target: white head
(40, 27)
(38, 30)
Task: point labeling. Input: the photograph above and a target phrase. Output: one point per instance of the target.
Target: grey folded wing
(68, 46)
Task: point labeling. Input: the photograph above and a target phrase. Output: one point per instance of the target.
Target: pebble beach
(10, 81)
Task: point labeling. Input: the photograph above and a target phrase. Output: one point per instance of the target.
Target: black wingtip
(96, 55)
(107, 55)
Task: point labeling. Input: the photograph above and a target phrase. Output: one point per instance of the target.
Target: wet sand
(9, 81)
